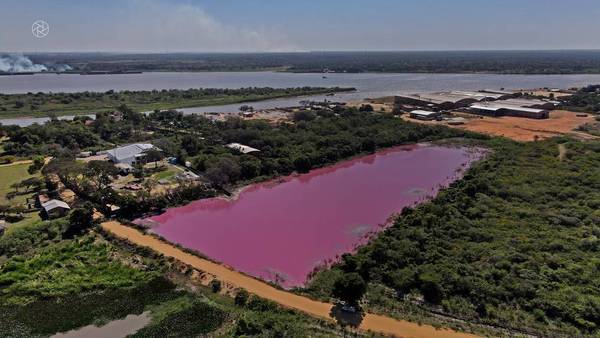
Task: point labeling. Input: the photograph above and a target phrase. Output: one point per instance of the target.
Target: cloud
(144, 26)
(156, 25)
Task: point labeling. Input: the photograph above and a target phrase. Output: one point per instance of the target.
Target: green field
(10, 174)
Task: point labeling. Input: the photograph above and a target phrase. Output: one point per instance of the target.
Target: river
(367, 84)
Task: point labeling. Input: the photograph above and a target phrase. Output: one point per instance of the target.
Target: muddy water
(115, 329)
(282, 230)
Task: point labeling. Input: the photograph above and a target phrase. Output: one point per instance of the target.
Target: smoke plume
(17, 63)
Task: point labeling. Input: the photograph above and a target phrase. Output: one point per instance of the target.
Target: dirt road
(46, 160)
(314, 308)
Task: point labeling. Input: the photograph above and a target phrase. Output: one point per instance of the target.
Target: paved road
(370, 322)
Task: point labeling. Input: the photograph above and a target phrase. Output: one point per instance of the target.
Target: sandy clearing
(561, 122)
(522, 129)
(562, 151)
(370, 322)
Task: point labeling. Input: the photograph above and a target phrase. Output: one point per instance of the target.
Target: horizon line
(308, 51)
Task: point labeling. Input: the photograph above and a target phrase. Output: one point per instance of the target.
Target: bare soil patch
(560, 123)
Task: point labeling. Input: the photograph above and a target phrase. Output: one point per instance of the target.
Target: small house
(425, 115)
(55, 209)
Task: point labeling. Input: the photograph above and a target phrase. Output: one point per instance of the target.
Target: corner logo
(40, 29)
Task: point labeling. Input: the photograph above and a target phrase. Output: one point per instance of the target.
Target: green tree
(350, 287)
(215, 285)
(154, 155)
(36, 165)
(226, 170)
(80, 220)
(241, 298)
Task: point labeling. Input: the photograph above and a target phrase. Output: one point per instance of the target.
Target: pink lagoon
(282, 230)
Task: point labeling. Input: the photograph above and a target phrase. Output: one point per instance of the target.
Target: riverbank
(85, 103)
(370, 322)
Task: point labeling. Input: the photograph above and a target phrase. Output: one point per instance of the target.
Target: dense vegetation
(58, 104)
(514, 244)
(315, 140)
(50, 283)
(586, 99)
(518, 62)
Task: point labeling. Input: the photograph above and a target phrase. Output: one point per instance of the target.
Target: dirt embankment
(370, 322)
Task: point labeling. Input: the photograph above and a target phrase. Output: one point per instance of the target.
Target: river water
(367, 84)
(282, 230)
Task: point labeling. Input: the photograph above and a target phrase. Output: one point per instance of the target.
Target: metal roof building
(499, 108)
(55, 208)
(424, 115)
(530, 103)
(128, 154)
(448, 100)
(53, 204)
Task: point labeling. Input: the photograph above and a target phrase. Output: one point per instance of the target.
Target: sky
(299, 25)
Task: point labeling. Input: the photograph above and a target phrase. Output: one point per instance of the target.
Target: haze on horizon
(284, 25)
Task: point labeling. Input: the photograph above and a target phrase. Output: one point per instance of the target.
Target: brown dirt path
(370, 322)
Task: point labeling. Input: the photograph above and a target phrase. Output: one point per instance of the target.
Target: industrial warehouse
(449, 100)
(430, 106)
(495, 109)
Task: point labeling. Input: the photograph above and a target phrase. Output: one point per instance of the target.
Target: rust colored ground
(560, 123)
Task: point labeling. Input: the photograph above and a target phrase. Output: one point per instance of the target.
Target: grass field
(10, 174)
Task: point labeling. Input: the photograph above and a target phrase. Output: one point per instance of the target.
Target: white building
(242, 148)
(130, 154)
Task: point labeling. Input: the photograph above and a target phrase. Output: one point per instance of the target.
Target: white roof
(423, 112)
(53, 204)
(497, 106)
(242, 148)
(525, 102)
(486, 107)
(129, 151)
(453, 96)
(498, 91)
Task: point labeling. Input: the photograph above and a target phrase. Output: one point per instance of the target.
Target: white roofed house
(242, 148)
(129, 154)
(55, 208)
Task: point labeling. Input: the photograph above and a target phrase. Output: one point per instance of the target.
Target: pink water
(282, 230)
